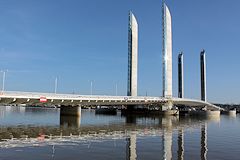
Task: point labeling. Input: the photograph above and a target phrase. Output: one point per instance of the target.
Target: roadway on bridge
(35, 98)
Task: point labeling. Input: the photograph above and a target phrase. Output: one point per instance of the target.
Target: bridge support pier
(167, 109)
(70, 111)
(212, 113)
(70, 116)
(207, 114)
(167, 106)
(231, 113)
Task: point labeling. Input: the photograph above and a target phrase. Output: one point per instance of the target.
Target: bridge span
(48, 99)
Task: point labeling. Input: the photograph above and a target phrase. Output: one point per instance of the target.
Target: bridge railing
(37, 95)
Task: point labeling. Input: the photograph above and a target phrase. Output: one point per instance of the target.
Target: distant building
(167, 51)
(132, 55)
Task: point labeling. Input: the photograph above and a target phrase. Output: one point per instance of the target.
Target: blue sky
(84, 40)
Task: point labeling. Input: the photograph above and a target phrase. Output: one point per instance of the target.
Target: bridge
(70, 103)
(73, 100)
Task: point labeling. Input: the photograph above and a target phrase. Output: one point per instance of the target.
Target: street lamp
(3, 80)
(56, 85)
(116, 89)
(91, 87)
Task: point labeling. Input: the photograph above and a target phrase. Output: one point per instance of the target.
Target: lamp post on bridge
(116, 89)
(56, 85)
(3, 80)
(91, 87)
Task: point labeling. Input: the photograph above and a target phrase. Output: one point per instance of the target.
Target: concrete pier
(70, 111)
(167, 106)
(169, 113)
(230, 112)
(147, 112)
(214, 115)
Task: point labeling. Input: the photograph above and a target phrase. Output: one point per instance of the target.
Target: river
(41, 134)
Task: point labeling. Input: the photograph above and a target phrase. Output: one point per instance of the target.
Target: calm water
(41, 134)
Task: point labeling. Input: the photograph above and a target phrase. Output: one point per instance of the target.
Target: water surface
(40, 133)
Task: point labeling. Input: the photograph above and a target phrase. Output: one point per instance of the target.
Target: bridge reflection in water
(131, 129)
(167, 136)
(167, 126)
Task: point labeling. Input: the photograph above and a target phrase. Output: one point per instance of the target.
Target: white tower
(167, 51)
(132, 55)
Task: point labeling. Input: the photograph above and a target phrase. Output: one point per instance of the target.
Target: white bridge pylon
(35, 98)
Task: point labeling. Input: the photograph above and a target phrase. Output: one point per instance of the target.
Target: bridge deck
(35, 98)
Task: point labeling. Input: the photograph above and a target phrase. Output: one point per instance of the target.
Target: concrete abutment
(70, 111)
